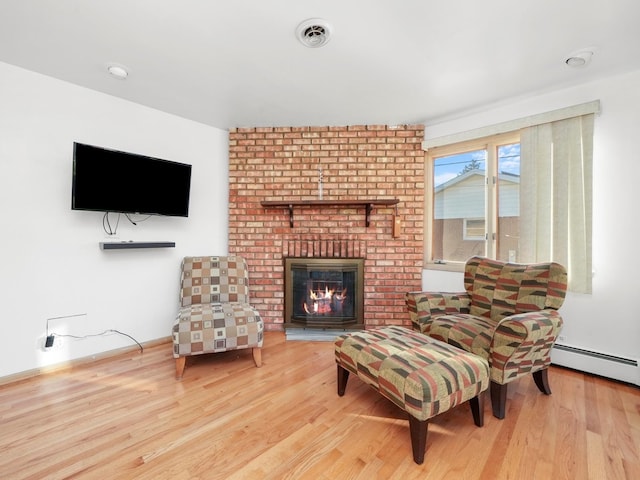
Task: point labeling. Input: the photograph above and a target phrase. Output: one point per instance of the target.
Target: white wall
(608, 321)
(51, 263)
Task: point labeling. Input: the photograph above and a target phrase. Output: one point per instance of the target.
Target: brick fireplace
(340, 164)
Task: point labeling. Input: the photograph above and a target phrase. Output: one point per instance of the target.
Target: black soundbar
(131, 244)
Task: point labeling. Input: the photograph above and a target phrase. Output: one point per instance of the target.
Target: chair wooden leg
(418, 430)
(541, 377)
(257, 356)
(498, 399)
(343, 376)
(477, 409)
(180, 363)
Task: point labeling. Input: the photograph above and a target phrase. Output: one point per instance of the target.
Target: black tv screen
(112, 181)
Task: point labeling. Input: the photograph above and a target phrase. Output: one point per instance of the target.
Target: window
(474, 229)
(529, 190)
(476, 199)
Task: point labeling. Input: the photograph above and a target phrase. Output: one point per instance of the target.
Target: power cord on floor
(51, 336)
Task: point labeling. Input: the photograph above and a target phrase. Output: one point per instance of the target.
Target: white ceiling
(237, 63)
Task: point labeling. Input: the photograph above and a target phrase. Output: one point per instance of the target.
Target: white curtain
(556, 196)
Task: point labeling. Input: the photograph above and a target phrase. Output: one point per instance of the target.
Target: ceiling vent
(314, 33)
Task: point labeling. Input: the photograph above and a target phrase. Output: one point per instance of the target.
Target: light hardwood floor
(127, 417)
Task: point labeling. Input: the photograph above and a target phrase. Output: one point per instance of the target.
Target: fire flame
(319, 296)
(322, 301)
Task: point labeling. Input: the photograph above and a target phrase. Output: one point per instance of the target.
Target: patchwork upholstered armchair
(508, 314)
(215, 314)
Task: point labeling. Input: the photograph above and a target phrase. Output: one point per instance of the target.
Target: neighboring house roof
(464, 196)
(506, 176)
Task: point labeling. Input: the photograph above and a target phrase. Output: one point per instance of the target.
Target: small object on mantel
(396, 228)
(367, 203)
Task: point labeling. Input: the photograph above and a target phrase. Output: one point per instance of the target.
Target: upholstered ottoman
(421, 375)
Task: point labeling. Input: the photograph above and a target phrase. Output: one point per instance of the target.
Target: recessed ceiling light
(118, 71)
(314, 33)
(579, 59)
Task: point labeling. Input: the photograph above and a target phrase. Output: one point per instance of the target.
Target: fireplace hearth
(324, 293)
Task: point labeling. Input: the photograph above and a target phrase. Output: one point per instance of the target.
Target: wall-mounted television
(112, 181)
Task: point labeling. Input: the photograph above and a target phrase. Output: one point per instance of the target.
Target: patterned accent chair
(508, 315)
(215, 315)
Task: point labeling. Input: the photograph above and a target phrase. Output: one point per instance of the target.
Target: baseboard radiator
(598, 363)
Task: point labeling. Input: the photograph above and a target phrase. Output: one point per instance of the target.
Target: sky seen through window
(446, 168)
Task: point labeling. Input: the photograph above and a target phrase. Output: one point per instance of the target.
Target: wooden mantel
(368, 204)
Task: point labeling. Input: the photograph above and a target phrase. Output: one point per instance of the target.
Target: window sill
(445, 266)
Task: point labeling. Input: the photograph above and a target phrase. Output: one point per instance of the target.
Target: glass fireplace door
(324, 292)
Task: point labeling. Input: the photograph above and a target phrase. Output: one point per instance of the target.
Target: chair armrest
(423, 306)
(522, 344)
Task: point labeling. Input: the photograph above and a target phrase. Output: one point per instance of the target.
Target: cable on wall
(82, 337)
(50, 336)
(106, 224)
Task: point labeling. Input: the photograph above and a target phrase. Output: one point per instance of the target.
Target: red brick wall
(358, 163)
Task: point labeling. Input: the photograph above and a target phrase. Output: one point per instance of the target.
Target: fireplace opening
(324, 292)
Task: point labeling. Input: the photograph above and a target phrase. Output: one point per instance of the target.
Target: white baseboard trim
(68, 364)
